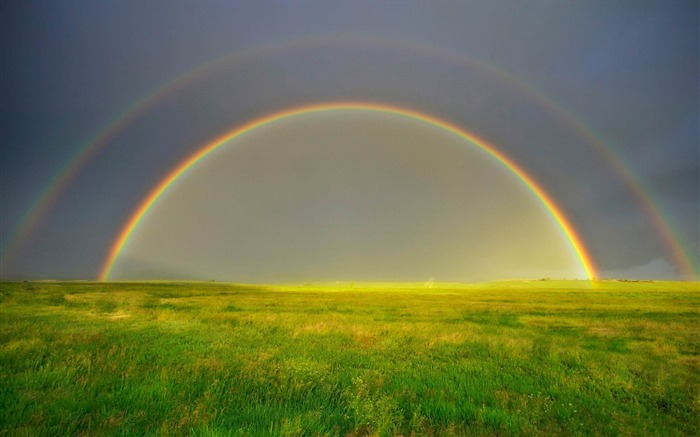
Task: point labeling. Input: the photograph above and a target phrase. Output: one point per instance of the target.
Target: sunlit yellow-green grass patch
(207, 359)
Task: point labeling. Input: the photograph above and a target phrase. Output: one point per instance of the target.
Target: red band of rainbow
(574, 240)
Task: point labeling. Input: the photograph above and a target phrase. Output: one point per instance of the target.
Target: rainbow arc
(565, 225)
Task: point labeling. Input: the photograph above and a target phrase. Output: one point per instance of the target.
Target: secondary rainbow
(684, 259)
(574, 240)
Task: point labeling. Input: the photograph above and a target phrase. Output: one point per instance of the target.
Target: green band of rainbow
(573, 238)
(684, 258)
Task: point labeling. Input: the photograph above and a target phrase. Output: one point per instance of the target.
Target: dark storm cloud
(626, 71)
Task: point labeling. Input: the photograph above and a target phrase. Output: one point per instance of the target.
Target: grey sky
(628, 72)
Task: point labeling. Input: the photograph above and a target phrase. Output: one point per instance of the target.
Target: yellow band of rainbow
(573, 238)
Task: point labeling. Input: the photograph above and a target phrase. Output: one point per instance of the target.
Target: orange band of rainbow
(574, 240)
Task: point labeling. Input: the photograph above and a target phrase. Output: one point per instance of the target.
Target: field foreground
(207, 359)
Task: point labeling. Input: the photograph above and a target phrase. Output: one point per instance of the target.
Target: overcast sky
(598, 101)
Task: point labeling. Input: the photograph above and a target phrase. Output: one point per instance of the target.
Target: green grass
(206, 359)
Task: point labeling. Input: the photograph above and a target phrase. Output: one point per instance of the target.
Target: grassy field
(206, 359)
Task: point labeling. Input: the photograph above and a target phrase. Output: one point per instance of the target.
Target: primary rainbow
(572, 237)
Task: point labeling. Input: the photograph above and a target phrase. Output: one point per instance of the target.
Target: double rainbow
(573, 239)
(683, 258)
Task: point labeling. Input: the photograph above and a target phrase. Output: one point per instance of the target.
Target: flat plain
(345, 359)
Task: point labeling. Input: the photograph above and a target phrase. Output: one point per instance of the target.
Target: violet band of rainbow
(574, 240)
(662, 221)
